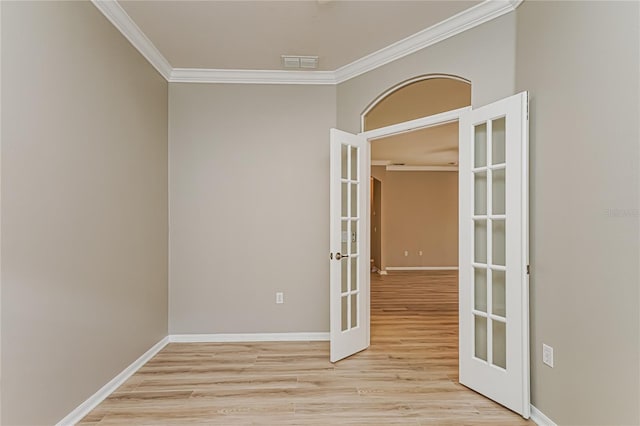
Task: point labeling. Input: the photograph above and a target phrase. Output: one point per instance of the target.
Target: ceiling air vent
(297, 62)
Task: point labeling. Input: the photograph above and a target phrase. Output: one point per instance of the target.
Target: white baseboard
(421, 268)
(539, 418)
(92, 402)
(248, 337)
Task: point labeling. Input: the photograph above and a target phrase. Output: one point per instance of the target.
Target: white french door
(349, 271)
(493, 245)
(494, 255)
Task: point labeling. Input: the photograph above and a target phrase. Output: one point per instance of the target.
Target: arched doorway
(408, 232)
(493, 253)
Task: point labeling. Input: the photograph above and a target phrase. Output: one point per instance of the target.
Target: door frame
(396, 129)
(391, 130)
(417, 124)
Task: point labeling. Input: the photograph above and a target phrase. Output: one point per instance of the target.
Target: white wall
(249, 191)
(580, 62)
(84, 207)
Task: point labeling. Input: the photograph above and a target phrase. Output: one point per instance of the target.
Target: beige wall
(419, 213)
(84, 196)
(579, 60)
(485, 55)
(249, 190)
(419, 99)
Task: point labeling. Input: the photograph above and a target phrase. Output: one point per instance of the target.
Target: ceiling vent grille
(297, 62)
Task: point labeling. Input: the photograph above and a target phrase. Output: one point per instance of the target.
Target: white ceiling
(432, 146)
(254, 34)
(242, 41)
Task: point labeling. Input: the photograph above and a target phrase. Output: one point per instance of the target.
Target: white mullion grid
(498, 268)
(472, 224)
(498, 318)
(480, 314)
(355, 220)
(500, 166)
(489, 241)
(348, 263)
(342, 182)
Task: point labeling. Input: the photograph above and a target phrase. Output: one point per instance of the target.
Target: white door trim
(418, 123)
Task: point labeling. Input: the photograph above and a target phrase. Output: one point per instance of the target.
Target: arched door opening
(414, 287)
(419, 200)
(427, 322)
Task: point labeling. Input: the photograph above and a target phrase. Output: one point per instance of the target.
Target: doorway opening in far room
(414, 224)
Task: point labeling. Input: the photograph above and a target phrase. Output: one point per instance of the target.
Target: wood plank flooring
(408, 376)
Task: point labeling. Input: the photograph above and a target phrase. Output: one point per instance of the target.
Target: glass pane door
(493, 297)
(349, 256)
(489, 257)
(348, 267)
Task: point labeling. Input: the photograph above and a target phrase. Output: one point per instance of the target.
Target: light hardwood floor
(408, 375)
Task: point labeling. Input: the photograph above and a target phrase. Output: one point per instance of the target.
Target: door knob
(340, 256)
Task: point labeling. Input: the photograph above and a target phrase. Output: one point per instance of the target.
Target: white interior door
(494, 255)
(349, 271)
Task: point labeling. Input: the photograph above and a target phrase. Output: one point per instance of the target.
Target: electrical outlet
(547, 355)
(279, 297)
(406, 253)
(420, 253)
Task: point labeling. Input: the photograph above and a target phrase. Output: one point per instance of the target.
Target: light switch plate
(547, 355)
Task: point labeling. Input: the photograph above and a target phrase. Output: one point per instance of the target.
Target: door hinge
(528, 269)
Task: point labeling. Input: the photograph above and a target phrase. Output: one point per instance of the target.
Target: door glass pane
(354, 236)
(345, 311)
(497, 141)
(498, 241)
(344, 274)
(344, 237)
(499, 294)
(344, 161)
(498, 194)
(354, 310)
(345, 194)
(480, 145)
(480, 337)
(354, 272)
(354, 163)
(480, 193)
(354, 200)
(499, 344)
(480, 291)
(480, 244)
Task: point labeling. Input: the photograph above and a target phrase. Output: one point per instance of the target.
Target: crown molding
(198, 75)
(465, 20)
(123, 22)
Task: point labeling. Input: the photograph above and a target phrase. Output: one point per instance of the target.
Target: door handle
(340, 256)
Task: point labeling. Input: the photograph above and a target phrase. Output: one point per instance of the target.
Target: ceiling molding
(380, 162)
(392, 168)
(198, 75)
(121, 20)
(465, 20)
